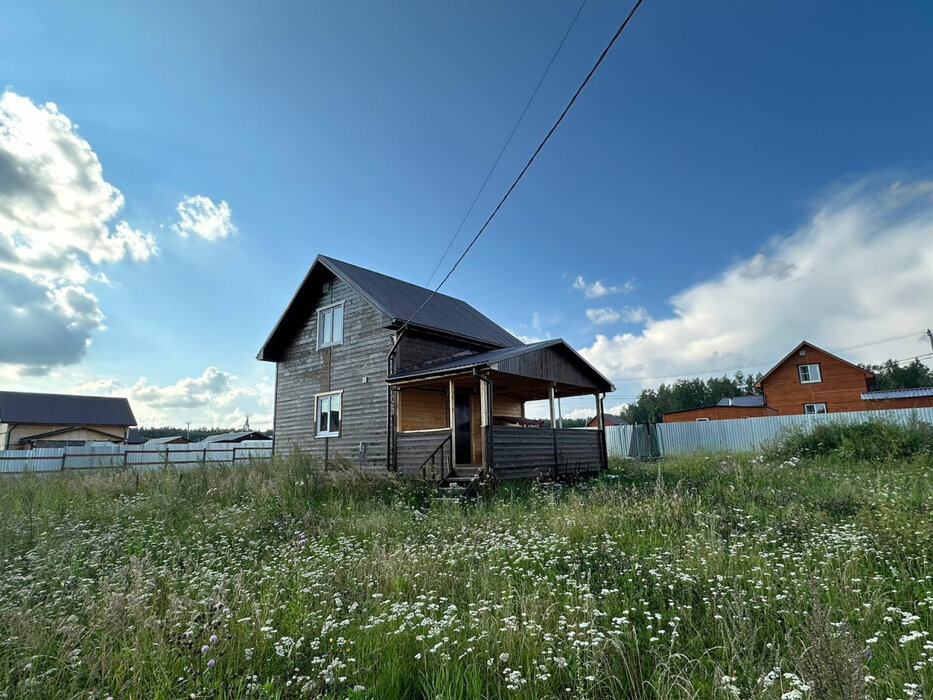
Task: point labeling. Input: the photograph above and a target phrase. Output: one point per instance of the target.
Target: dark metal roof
(166, 440)
(63, 409)
(236, 437)
(491, 357)
(756, 400)
(898, 394)
(397, 300)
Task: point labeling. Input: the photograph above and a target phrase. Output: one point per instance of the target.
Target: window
(702, 420)
(328, 415)
(809, 374)
(330, 326)
(813, 408)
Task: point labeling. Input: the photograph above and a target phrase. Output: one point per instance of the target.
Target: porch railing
(440, 458)
(530, 452)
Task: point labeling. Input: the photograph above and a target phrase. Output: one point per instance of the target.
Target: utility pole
(930, 336)
(188, 432)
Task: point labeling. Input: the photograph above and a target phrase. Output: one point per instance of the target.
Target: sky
(736, 177)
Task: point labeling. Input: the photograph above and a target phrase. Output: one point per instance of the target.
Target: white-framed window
(330, 325)
(809, 374)
(702, 420)
(328, 414)
(813, 408)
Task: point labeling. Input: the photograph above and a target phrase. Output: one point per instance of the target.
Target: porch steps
(458, 486)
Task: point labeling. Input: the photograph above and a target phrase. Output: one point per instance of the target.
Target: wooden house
(30, 420)
(390, 376)
(809, 380)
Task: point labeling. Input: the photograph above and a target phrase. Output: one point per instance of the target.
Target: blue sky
(719, 148)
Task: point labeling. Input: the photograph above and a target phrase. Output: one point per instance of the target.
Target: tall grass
(716, 577)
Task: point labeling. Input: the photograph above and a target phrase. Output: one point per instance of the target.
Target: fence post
(63, 459)
(234, 455)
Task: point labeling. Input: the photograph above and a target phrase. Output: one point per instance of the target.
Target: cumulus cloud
(200, 216)
(860, 269)
(215, 398)
(56, 227)
(594, 290)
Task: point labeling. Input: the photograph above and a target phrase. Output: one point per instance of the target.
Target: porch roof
(552, 361)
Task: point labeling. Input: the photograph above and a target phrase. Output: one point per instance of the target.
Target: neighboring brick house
(809, 380)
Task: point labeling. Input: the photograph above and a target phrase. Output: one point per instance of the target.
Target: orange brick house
(809, 380)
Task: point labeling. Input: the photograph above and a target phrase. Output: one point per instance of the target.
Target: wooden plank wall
(550, 365)
(840, 389)
(421, 409)
(501, 406)
(414, 448)
(306, 371)
(520, 453)
(418, 348)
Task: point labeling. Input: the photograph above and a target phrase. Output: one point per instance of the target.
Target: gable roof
(809, 345)
(392, 297)
(64, 409)
(491, 358)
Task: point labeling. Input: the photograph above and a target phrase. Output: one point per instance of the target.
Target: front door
(462, 428)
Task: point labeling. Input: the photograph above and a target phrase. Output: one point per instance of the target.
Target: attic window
(330, 326)
(809, 374)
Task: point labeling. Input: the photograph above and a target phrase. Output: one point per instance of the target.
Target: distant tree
(891, 375)
(684, 394)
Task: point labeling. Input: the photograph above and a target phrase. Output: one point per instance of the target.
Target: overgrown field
(708, 577)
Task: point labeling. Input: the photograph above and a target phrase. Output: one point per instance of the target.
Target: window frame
(810, 379)
(317, 414)
(702, 420)
(319, 332)
(814, 412)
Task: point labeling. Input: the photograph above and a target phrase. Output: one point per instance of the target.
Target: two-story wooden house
(390, 376)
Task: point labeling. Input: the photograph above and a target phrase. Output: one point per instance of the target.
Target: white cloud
(606, 314)
(200, 216)
(859, 270)
(56, 212)
(603, 315)
(215, 398)
(594, 290)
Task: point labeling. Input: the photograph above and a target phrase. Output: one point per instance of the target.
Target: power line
(884, 340)
(530, 160)
(507, 142)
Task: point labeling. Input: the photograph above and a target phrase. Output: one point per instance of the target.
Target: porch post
(551, 404)
(485, 407)
(560, 415)
(603, 449)
(601, 419)
(452, 404)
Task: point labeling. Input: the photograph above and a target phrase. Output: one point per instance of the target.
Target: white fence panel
(110, 456)
(748, 434)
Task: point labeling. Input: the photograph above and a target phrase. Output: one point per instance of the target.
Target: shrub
(875, 440)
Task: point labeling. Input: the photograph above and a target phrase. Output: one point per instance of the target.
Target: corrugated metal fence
(109, 456)
(742, 434)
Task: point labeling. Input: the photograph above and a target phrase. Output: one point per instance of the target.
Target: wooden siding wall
(417, 348)
(420, 409)
(501, 406)
(840, 389)
(529, 452)
(414, 448)
(21, 432)
(718, 413)
(903, 402)
(306, 371)
(550, 365)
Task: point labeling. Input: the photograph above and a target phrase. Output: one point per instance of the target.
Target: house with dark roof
(389, 375)
(238, 436)
(57, 420)
(809, 380)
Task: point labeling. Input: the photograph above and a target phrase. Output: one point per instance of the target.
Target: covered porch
(466, 415)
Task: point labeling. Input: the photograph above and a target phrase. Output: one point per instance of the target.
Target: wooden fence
(109, 456)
